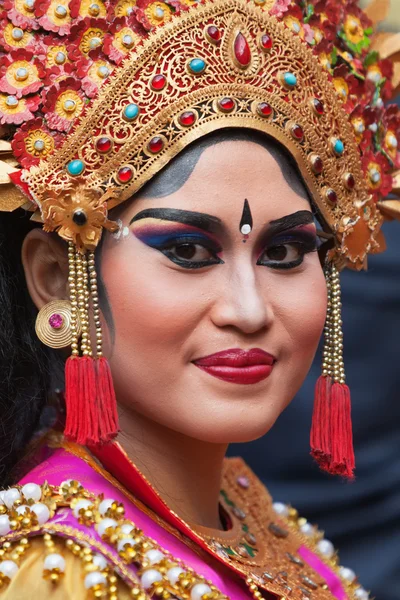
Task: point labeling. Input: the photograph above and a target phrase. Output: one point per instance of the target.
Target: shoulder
(69, 539)
(281, 547)
(32, 568)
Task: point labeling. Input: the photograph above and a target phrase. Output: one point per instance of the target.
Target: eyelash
(188, 264)
(305, 243)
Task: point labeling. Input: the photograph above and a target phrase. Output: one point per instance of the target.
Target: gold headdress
(303, 72)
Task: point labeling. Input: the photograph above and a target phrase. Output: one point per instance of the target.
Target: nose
(240, 302)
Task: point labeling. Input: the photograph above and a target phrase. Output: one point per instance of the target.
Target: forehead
(226, 174)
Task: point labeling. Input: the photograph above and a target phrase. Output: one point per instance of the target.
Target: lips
(238, 366)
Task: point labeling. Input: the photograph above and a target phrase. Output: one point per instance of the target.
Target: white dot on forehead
(245, 229)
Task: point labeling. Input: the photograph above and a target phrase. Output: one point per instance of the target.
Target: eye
(285, 253)
(191, 255)
(192, 252)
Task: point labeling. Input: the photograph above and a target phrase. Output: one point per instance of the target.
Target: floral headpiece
(97, 96)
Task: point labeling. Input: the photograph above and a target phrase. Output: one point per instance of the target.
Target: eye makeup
(302, 239)
(166, 235)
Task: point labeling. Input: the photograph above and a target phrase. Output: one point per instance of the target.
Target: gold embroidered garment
(71, 512)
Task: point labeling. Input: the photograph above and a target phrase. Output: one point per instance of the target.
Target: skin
(176, 419)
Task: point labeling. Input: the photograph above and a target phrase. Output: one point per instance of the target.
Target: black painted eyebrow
(301, 217)
(196, 219)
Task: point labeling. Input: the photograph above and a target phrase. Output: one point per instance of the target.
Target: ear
(45, 261)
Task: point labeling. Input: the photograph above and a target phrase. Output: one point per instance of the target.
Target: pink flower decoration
(19, 111)
(26, 19)
(34, 142)
(280, 8)
(21, 73)
(63, 103)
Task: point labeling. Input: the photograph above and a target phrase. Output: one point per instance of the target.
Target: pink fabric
(62, 465)
(332, 580)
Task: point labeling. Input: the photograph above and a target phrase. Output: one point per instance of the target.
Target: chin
(237, 426)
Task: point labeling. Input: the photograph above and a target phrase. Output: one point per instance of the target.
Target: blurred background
(362, 519)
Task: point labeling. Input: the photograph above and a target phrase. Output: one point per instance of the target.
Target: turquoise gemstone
(75, 167)
(197, 65)
(290, 79)
(131, 112)
(338, 147)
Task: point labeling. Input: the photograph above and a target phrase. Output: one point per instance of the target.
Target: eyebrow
(301, 217)
(196, 219)
(214, 224)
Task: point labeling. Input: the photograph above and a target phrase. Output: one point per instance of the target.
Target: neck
(184, 471)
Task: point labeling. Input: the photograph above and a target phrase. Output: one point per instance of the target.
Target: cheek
(153, 314)
(301, 308)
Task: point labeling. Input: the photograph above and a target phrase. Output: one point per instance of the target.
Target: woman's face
(186, 283)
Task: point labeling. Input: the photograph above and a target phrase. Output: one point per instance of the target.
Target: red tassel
(331, 431)
(320, 430)
(342, 461)
(107, 403)
(90, 401)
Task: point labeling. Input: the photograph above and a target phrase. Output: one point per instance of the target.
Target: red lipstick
(237, 365)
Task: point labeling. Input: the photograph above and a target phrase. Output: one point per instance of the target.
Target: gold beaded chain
(73, 297)
(95, 303)
(332, 356)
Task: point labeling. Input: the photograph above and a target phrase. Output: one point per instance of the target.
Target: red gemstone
(187, 118)
(226, 104)
(125, 174)
(316, 164)
(242, 50)
(103, 144)
(331, 195)
(155, 144)
(213, 33)
(349, 181)
(297, 132)
(264, 109)
(318, 106)
(158, 82)
(266, 42)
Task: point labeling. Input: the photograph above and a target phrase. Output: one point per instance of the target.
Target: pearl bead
(105, 505)
(8, 568)
(361, 594)
(198, 591)
(245, 229)
(54, 561)
(41, 511)
(173, 574)
(127, 529)
(79, 505)
(154, 556)
(32, 491)
(128, 541)
(21, 509)
(93, 579)
(347, 574)
(280, 509)
(100, 562)
(4, 525)
(326, 548)
(150, 577)
(307, 529)
(105, 524)
(11, 496)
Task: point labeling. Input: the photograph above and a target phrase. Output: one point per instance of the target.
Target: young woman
(189, 225)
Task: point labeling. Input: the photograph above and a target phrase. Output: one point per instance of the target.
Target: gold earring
(54, 324)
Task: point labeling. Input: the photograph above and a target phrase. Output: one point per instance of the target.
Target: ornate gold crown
(222, 63)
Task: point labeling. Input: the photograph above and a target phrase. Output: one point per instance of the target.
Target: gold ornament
(54, 324)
